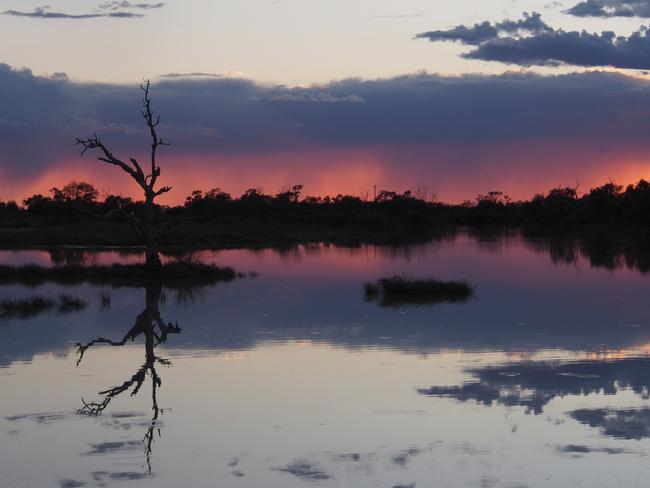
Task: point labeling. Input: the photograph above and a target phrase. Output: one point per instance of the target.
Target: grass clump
(24, 308)
(69, 303)
(397, 291)
(171, 275)
(104, 300)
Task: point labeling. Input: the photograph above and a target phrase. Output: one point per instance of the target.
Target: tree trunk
(151, 235)
(153, 258)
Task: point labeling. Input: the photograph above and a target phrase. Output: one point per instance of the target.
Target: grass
(171, 275)
(398, 291)
(70, 303)
(104, 300)
(25, 308)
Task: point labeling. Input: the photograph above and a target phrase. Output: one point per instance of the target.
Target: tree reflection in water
(155, 331)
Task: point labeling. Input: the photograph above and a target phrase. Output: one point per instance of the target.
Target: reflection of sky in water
(291, 379)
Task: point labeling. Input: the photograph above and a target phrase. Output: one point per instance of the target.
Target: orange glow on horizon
(455, 173)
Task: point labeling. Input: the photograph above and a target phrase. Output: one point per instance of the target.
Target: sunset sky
(462, 97)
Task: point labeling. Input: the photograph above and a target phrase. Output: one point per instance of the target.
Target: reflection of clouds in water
(103, 476)
(403, 458)
(331, 465)
(534, 384)
(305, 470)
(111, 447)
(618, 423)
(578, 449)
(41, 418)
(67, 483)
(126, 420)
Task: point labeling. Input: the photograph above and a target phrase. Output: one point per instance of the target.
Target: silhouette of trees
(397, 213)
(75, 191)
(148, 225)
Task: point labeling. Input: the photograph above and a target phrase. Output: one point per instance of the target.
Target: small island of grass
(398, 291)
(171, 275)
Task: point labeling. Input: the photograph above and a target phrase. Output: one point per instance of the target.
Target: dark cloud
(222, 115)
(44, 13)
(485, 31)
(530, 41)
(611, 8)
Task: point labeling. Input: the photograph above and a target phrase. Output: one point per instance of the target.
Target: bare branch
(95, 143)
(152, 120)
(164, 189)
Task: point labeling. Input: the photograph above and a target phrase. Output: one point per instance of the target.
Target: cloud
(485, 31)
(191, 75)
(44, 13)
(611, 8)
(117, 5)
(530, 41)
(322, 97)
(451, 129)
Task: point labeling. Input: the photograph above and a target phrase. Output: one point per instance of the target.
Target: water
(289, 378)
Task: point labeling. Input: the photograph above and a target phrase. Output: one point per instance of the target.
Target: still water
(288, 378)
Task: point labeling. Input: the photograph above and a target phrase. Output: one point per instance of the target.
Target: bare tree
(147, 226)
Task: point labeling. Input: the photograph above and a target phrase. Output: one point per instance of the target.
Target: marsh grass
(69, 303)
(171, 275)
(25, 308)
(104, 300)
(398, 291)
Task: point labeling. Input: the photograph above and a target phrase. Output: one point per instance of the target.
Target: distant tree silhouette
(148, 226)
(75, 191)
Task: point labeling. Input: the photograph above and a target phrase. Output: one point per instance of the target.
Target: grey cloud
(485, 31)
(322, 97)
(123, 15)
(116, 5)
(207, 115)
(197, 74)
(44, 13)
(535, 43)
(611, 8)
(473, 35)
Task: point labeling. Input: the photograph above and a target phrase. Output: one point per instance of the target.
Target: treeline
(609, 204)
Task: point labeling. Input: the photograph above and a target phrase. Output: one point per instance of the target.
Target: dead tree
(148, 225)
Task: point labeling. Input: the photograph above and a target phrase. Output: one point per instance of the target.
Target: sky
(461, 97)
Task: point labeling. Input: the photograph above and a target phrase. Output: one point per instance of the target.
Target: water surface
(289, 378)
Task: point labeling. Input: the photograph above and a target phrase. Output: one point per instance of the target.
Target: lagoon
(288, 377)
